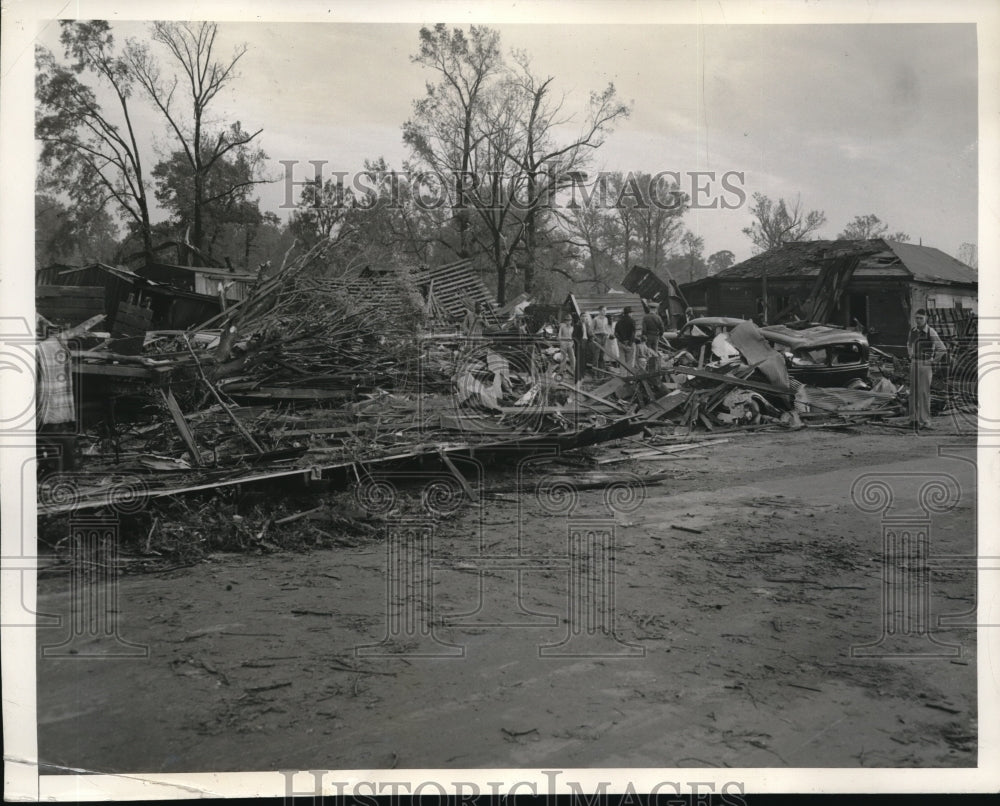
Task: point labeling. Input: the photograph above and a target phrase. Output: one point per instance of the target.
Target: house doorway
(857, 308)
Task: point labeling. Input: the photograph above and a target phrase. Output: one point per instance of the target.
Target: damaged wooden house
(876, 284)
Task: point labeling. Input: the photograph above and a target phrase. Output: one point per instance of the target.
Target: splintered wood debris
(301, 380)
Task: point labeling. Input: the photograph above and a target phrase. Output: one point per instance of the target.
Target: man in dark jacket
(652, 329)
(625, 334)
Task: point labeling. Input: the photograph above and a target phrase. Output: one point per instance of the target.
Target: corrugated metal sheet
(456, 288)
(615, 303)
(646, 283)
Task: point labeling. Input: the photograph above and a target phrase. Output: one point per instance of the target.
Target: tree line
(504, 137)
(93, 171)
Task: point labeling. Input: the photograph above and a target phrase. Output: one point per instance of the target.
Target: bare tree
(546, 163)
(776, 223)
(649, 212)
(192, 47)
(92, 151)
(494, 130)
(442, 133)
(590, 230)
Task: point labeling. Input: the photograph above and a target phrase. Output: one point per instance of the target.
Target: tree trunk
(529, 225)
(501, 273)
(197, 233)
(529, 248)
(147, 230)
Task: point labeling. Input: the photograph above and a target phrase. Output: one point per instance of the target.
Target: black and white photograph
(576, 399)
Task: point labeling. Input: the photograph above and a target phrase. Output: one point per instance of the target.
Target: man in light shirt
(924, 347)
(602, 329)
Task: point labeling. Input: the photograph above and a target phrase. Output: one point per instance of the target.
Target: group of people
(587, 341)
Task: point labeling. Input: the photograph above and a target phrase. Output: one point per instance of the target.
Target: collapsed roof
(879, 257)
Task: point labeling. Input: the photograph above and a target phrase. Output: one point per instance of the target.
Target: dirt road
(734, 634)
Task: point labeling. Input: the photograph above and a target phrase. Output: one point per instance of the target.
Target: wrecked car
(821, 355)
(700, 331)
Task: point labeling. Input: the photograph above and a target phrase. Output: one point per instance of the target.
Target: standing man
(924, 347)
(568, 363)
(579, 332)
(625, 333)
(602, 330)
(652, 329)
(584, 355)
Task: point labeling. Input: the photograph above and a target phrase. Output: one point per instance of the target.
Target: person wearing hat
(652, 329)
(625, 334)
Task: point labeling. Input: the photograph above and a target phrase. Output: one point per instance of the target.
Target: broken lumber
(612, 404)
(221, 402)
(182, 427)
(732, 379)
(466, 487)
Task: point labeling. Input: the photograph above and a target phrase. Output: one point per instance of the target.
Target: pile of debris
(305, 380)
(747, 386)
(301, 381)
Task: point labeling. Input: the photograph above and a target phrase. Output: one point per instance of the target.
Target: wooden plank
(609, 387)
(69, 292)
(758, 385)
(466, 487)
(282, 393)
(665, 404)
(182, 427)
(121, 371)
(82, 328)
(610, 403)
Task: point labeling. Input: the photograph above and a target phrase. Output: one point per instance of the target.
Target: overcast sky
(853, 119)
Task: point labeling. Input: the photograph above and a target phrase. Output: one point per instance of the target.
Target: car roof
(815, 336)
(715, 321)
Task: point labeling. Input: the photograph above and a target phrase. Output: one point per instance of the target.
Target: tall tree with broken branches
(90, 150)
(192, 48)
(545, 162)
(443, 133)
(227, 193)
(776, 223)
